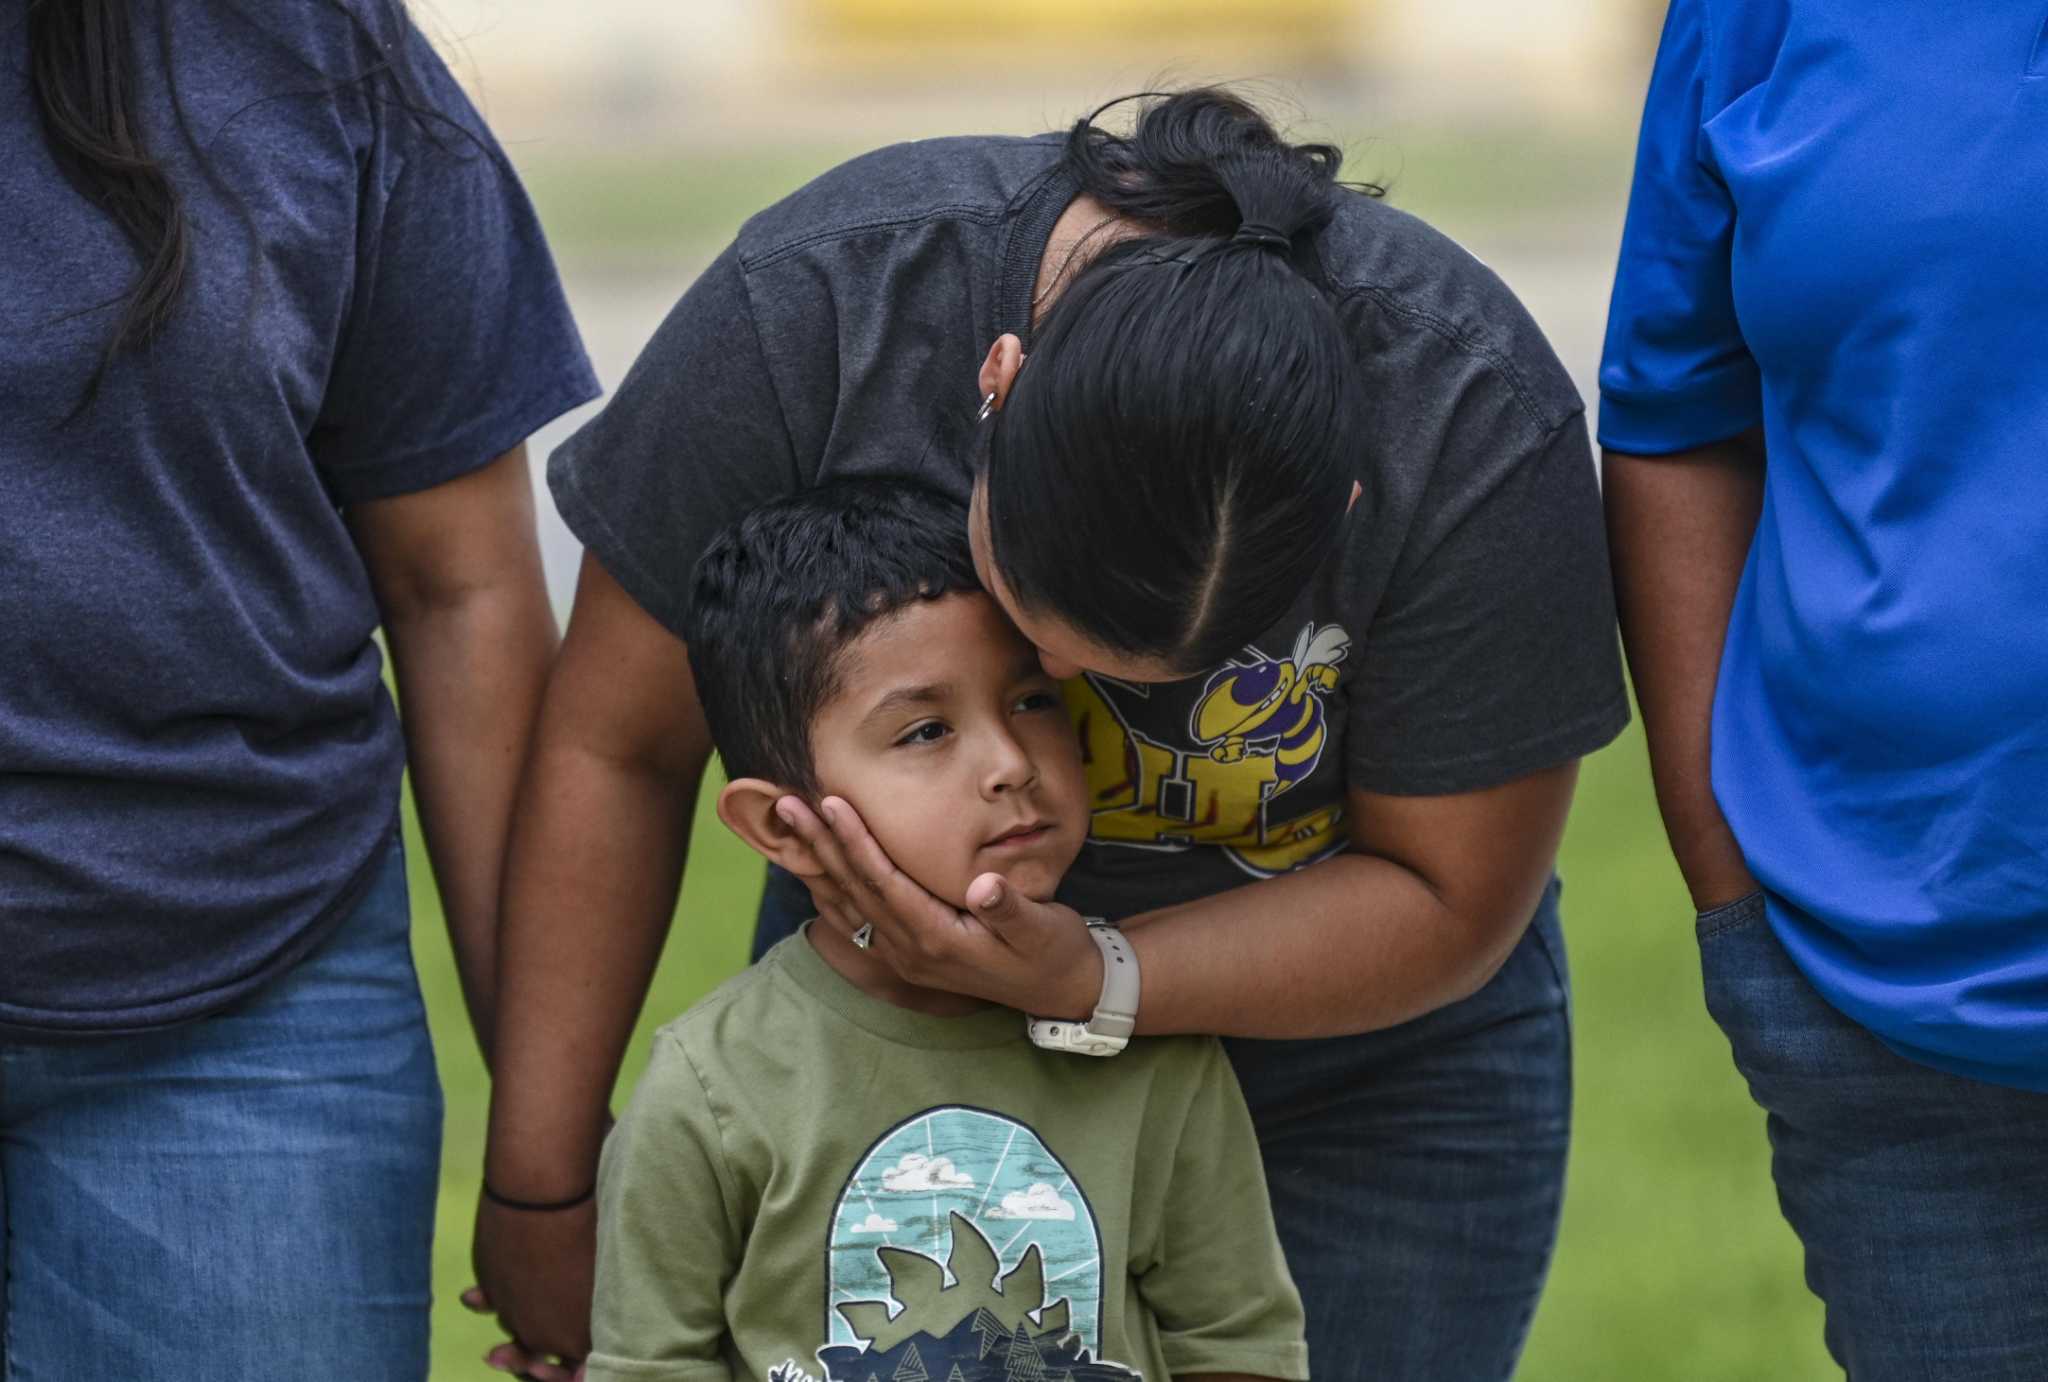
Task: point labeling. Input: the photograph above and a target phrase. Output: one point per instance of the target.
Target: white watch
(1108, 1030)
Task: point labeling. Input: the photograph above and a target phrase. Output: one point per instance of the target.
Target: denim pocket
(1746, 910)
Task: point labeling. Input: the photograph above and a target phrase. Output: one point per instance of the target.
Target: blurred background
(647, 130)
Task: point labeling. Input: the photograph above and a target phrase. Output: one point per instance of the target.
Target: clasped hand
(543, 1301)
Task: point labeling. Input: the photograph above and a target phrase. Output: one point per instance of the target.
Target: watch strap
(1116, 1011)
(1108, 1030)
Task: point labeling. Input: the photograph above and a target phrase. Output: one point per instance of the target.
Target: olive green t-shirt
(811, 1185)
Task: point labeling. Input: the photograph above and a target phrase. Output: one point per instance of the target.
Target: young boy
(827, 1175)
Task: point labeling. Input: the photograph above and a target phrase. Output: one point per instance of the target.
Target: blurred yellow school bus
(1312, 32)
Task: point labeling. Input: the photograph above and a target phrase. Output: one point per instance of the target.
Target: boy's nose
(1009, 767)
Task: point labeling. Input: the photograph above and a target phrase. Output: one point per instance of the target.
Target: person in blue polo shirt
(1824, 403)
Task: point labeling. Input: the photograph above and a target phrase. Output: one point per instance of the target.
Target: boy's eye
(1040, 700)
(930, 732)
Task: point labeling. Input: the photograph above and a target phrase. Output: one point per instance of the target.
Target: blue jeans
(249, 1196)
(1921, 1197)
(1416, 1172)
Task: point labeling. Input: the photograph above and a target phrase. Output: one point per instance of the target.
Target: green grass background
(1672, 1261)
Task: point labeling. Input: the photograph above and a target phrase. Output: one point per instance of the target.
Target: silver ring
(864, 937)
(988, 405)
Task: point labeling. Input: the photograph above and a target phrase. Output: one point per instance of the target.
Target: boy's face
(952, 743)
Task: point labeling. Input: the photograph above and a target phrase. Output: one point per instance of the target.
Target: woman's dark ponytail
(82, 73)
(1203, 163)
(1173, 466)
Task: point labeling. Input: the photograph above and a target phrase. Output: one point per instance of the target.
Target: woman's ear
(999, 370)
(747, 806)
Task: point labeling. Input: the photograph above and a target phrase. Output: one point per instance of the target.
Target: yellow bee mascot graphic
(1273, 707)
(1256, 730)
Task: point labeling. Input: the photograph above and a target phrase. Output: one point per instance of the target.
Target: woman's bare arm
(590, 885)
(1679, 528)
(457, 574)
(1422, 913)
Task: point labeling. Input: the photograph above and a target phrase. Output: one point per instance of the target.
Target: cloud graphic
(874, 1223)
(918, 1172)
(1041, 1201)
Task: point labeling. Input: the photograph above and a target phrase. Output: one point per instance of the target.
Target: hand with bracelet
(566, 1229)
(571, 1228)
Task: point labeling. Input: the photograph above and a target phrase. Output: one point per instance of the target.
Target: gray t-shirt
(1463, 637)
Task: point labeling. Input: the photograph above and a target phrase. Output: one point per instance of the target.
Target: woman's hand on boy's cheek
(1042, 947)
(1032, 956)
(858, 884)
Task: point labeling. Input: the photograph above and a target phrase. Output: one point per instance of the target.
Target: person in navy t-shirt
(278, 322)
(1824, 403)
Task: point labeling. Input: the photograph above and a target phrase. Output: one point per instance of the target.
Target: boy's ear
(747, 806)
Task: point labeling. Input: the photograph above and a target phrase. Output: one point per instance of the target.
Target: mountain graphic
(980, 1329)
(971, 1354)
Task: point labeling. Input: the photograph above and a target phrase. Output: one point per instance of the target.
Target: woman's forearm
(1423, 911)
(1679, 528)
(597, 857)
(1426, 907)
(590, 884)
(457, 574)
(1351, 944)
(470, 674)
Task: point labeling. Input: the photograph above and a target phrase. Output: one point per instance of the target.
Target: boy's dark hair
(1172, 467)
(779, 596)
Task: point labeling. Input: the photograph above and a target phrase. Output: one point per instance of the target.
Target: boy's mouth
(1021, 836)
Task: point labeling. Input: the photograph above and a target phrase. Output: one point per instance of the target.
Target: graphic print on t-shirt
(1257, 730)
(961, 1250)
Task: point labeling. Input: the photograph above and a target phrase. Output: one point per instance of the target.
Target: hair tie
(1253, 232)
